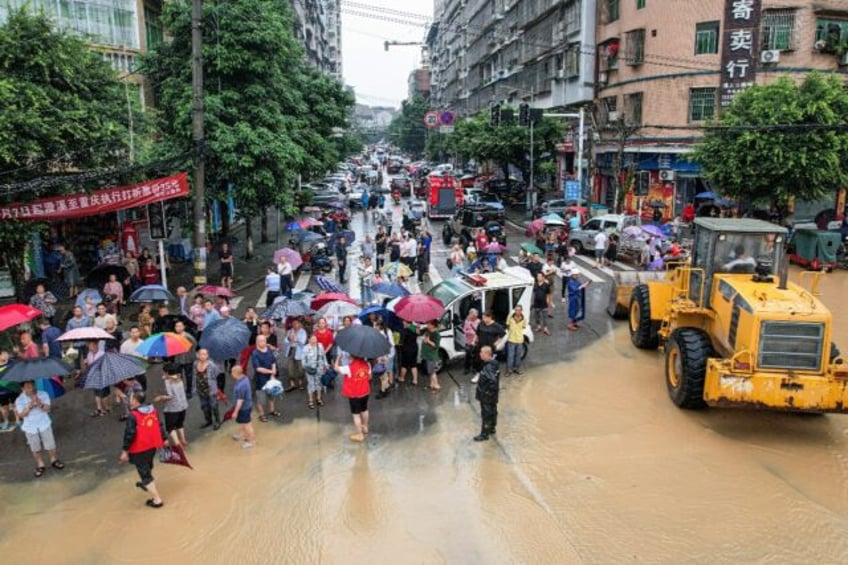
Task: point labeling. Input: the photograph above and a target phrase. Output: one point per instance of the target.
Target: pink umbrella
(419, 308)
(310, 222)
(216, 290)
(292, 256)
(495, 247)
(83, 334)
(536, 225)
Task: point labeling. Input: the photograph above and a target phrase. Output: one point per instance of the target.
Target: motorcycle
(319, 259)
(396, 196)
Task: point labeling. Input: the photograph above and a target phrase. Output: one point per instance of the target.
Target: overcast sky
(379, 78)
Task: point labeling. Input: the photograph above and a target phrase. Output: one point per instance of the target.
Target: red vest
(148, 432)
(358, 384)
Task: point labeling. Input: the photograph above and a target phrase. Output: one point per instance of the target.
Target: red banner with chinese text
(98, 202)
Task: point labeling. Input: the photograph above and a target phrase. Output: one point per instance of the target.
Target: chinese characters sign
(98, 202)
(738, 47)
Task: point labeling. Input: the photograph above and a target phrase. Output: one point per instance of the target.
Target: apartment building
(333, 26)
(119, 29)
(419, 82)
(665, 67)
(510, 51)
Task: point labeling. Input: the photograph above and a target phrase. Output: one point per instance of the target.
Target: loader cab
(734, 246)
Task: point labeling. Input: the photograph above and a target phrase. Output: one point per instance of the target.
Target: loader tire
(643, 331)
(686, 357)
(614, 309)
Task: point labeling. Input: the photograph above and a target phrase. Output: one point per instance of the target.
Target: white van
(498, 292)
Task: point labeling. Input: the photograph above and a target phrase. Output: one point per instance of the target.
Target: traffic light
(524, 114)
(507, 116)
(495, 119)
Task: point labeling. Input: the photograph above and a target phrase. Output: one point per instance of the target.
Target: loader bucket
(622, 287)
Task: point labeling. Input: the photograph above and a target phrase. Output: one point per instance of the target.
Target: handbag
(328, 377)
(501, 343)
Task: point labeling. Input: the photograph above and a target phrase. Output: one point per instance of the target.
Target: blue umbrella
(111, 368)
(706, 195)
(328, 285)
(225, 338)
(85, 293)
(151, 293)
(293, 226)
(388, 316)
(390, 289)
(35, 369)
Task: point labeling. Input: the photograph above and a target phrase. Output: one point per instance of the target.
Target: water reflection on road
(593, 463)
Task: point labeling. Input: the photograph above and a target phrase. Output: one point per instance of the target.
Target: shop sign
(98, 202)
(738, 54)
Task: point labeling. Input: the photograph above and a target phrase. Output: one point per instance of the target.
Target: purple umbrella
(495, 247)
(292, 256)
(653, 230)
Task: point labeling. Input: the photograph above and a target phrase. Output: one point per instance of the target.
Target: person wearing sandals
(430, 353)
(356, 387)
(144, 434)
(101, 396)
(314, 365)
(175, 403)
(264, 365)
(32, 408)
(295, 341)
(206, 380)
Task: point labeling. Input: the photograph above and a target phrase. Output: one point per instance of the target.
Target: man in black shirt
(488, 389)
(535, 265)
(488, 333)
(341, 258)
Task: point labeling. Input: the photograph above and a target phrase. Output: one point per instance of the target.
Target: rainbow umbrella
(166, 344)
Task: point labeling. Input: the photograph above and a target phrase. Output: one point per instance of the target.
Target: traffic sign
(446, 129)
(431, 119)
(446, 118)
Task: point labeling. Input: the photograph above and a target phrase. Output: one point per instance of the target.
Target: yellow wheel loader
(734, 330)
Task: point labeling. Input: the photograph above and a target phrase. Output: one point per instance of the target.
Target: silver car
(583, 239)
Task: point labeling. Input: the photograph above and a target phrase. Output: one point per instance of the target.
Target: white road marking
(260, 304)
(624, 266)
(302, 280)
(435, 277)
(588, 265)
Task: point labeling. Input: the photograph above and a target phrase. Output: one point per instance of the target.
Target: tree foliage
(407, 130)
(507, 144)
(269, 118)
(62, 108)
(751, 159)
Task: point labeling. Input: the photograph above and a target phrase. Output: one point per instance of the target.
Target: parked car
(402, 183)
(561, 206)
(322, 197)
(469, 217)
(477, 196)
(583, 238)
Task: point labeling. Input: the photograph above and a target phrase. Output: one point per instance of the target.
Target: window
(572, 16)
(702, 102)
(612, 10)
(608, 106)
(777, 29)
(832, 31)
(572, 61)
(706, 38)
(634, 108)
(640, 4)
(635, 48)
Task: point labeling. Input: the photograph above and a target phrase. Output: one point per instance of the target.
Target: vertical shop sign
(739, 47)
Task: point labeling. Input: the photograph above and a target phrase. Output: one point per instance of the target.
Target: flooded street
(593, 463)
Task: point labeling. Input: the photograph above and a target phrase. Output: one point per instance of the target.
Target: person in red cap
(144, 434)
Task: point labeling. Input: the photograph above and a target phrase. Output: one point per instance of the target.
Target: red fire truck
(445, 195)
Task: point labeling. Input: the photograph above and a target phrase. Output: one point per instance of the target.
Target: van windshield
(447, 291)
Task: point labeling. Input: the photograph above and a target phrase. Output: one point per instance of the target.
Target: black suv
(474, 216)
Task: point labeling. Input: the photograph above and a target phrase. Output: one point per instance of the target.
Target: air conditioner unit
(666, 175)
(820, 45)
(502, 73)
(560, 74)
(602, 78)
(613, 116)
(770, 56)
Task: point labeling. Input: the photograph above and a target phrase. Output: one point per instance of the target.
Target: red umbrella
(14, 314)
(318, 302)
(310, 222)
(419, 308)
(216, 290)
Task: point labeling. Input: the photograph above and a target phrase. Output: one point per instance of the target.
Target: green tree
(779, 140)
(507, 144)
(407, 130)
(62, 109)
(268, 117)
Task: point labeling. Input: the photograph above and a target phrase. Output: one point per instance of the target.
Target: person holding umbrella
(356, 387)
(144, 434)
(32, 409)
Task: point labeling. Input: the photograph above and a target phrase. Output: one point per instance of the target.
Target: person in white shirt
(32, 408)
(601, 240)
(365, 271)
(284, 269)
(565, 269)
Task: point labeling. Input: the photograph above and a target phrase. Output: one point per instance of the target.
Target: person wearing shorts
(175, 403)
(32, 408)
(430, 354)
(243, 407)
(144, 434)
(356, 387)
(409, 353)
(226, 257)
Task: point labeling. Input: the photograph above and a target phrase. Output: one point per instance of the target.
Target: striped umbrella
(166, 344)
(328, 285)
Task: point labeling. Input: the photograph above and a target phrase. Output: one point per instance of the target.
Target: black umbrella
(34, 369)
(286, 308)
(111, 368)
(56, 286)
(167, 323)
(363, 341)
(100, 276)
(225, 338)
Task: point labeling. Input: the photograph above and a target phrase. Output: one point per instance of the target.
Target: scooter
(319, 261)
(396, 196)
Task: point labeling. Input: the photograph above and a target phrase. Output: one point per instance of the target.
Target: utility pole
(199, 210)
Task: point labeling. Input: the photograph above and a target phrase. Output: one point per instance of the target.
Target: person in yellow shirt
(515, 326)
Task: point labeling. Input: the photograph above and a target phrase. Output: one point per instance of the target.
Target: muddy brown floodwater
(592, 464)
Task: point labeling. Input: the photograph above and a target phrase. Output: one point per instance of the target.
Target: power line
(390, 11)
